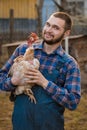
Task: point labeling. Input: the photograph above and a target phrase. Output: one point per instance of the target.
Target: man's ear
(67, 33)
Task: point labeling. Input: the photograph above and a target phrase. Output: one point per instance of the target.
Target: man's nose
(49, 29)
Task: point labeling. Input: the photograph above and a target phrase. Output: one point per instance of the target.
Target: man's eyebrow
(58, 26)
(54, 25)
(47, 22)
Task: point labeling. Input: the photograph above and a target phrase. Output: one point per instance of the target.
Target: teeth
(48, 35)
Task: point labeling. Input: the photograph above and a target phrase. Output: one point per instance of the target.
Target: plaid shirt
(66, 89)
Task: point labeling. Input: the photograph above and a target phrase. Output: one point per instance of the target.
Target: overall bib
(46, 114)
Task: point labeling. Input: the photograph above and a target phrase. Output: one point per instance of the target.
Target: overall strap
(62, 62)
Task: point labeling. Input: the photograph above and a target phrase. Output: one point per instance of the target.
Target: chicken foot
(30, 94)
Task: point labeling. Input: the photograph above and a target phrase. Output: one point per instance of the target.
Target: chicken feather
(19, 67)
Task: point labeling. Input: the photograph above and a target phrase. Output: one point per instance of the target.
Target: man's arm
(69, 95)
(5, 80)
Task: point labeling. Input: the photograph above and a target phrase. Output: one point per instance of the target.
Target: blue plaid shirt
(66, 89)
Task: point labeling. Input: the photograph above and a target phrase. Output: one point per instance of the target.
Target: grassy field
(74, 120)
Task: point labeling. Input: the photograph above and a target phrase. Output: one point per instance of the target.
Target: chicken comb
(32, 38)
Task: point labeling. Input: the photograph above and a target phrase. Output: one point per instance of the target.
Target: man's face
(53, 31)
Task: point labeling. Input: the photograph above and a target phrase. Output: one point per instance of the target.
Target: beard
(54, 41)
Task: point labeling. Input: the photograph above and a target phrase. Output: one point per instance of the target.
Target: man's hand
(35, 76)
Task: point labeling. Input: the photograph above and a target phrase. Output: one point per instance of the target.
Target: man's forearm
(6, 84)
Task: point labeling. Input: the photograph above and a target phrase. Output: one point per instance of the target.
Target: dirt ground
(74, 120)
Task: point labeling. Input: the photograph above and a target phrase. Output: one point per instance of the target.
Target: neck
(50, 48)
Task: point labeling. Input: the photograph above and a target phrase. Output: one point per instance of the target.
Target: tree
(39, 5)
(63, 5)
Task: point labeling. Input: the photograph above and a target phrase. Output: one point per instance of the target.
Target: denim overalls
(46, 114)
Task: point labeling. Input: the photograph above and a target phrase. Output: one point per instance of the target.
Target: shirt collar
(58, 51)
(38, 45)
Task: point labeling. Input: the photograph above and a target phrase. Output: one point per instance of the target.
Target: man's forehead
(56, 21)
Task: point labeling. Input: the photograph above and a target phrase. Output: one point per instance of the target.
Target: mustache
(48, 33)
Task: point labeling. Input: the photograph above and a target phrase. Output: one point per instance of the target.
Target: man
(57, 81)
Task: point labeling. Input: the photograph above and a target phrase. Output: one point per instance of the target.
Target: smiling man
(57, 82)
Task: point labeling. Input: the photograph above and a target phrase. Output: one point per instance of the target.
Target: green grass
(74, 120)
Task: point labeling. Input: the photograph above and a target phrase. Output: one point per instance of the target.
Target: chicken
(32, 38)
(21, 64)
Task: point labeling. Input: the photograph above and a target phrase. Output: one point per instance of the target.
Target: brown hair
(66, 18)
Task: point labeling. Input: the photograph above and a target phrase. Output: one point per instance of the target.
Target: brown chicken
(20, 66)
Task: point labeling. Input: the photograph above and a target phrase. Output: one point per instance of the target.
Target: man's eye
(47, 24)
(56, 28)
